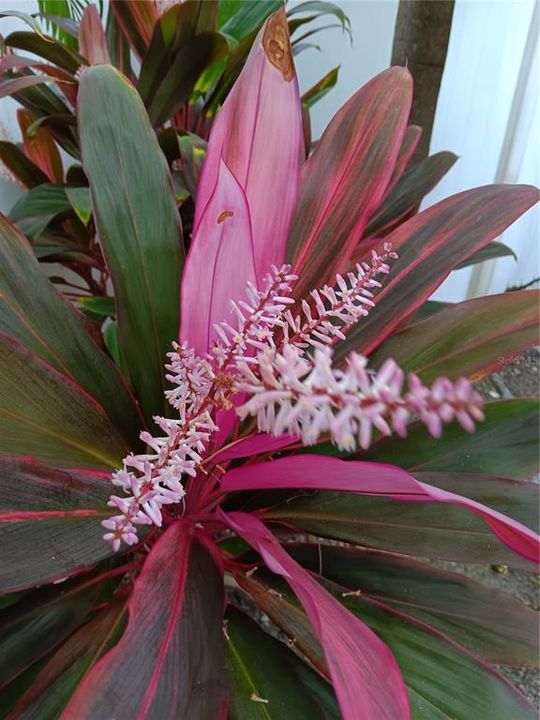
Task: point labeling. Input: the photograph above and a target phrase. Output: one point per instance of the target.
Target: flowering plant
(192, 571)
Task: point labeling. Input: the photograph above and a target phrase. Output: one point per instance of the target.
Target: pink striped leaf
(365, 675)
(411, 138)
(219, 264)
(49, 522)
(319, 472)
(258, 134)
(345, 179)
(169, 663)
(137, 20)
(92, 40)
(430, 245)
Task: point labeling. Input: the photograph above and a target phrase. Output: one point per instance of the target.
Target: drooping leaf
(490, 252)
(49, 522)
(34, 313)
(46, 48)
(430, 245)
(409, 192)
(92, 40)
(173, 632)
(492, 624)
(469, 339)
(321, 88)
(42, 201)
(358, 663)
(45, 414)
(263, 675)
(319, 472)
(137, 222)
(238, 18)
(355, 157)
(442, 681)
(504, 444)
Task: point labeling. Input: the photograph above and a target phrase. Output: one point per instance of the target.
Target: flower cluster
(334, 310)
(262, 357)
(289, 393)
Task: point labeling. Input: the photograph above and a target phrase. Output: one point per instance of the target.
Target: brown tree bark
(421, 42)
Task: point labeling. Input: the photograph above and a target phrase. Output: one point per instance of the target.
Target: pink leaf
(92, 40)
(366, 677)
(319, 472)
(220, 261)
(253, 445)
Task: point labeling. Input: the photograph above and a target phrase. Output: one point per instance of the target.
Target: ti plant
(242, 512)
(183, 58)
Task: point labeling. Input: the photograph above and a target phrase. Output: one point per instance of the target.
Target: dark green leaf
(238, 18)
(319, 90)
(35, 314)
(98, 305)
(23, 168)
(41, 201)
(489, 252)
(138, 224)
(47, 48)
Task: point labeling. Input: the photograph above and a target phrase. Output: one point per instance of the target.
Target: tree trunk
(420, 42)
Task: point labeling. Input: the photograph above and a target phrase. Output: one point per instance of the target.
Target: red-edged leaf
(22, 168)
(56, 682)
(92, 40)
(365, 676)
(46, 415)
(46, 47)
(14, 85)
(40, 147)
(49, 522)
(411, 138)
(472, 338)
(35, 314)
(409, 192)
(492, 624)
(319, 472)
(219, 264)
(169, 662)
(430, 245)
(137, 21)
(345, 179)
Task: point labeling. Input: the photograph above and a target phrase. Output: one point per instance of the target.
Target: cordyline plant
(183, 58)
(168, 525)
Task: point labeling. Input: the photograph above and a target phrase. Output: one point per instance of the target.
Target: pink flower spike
(258, 133)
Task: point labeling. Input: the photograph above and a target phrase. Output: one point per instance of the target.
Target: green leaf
(472, 338)
(42, 201)
(79, 197)
(443, 682)
(22, 167)
(489, 252)
(432, 530)
(35, 314)
(49, 523)
(238, 18)
(493, 625)
(138, 225)
(263, 675)
(504, 444)
(47, 48)
(103, 306)
(319, 90)
(44, 414)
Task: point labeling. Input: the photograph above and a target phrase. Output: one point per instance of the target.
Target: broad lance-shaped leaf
(137, 20)
(46, 415)
(49, 522)
(221, 253)
(430, 245)
(504, 444)
(263, 104)
(472, 338)
(346, 177)
(92, 40)
(137, 222)
(492, 624)
(22, 167)
(443, 680)
(366, 678)
(319, 472)
(40, 147)
(173, 632)
(35, 314)
(50, 691)
(263, 673)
